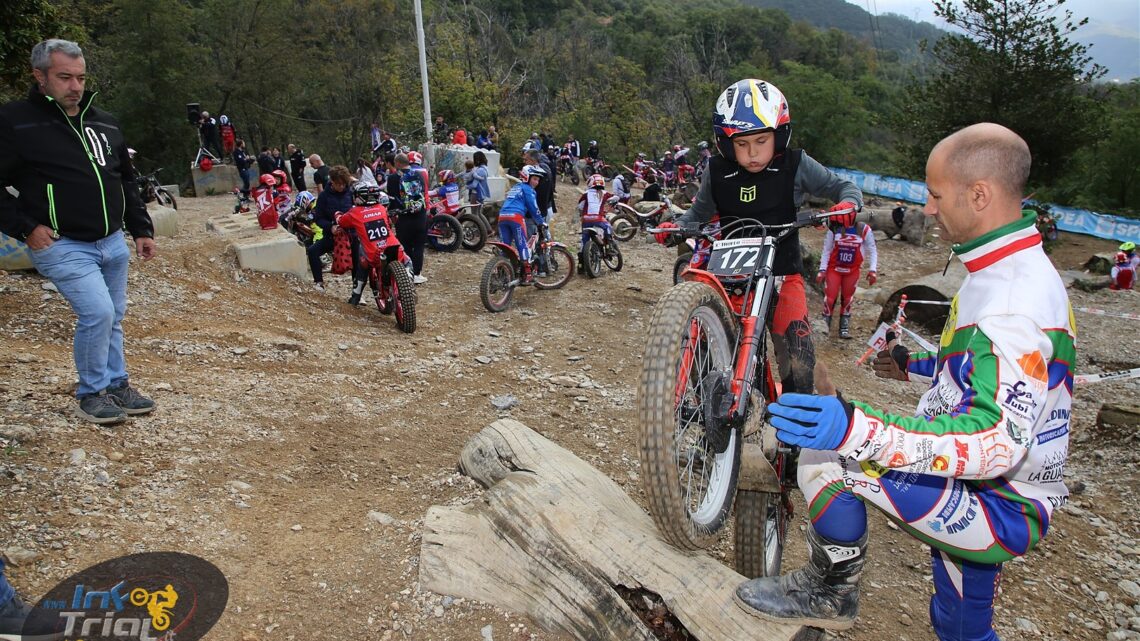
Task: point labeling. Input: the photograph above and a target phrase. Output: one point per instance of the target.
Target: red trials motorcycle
(702, 394)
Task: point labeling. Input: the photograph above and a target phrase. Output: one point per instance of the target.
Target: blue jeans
(244, 173)
(93, 279)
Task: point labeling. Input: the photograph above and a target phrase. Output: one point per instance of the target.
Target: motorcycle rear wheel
(165, 198)
(625, 226)
(474, 233)
(689, 484)
(559, 269)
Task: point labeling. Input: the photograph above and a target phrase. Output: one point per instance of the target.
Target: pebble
(164, 387)
(206, 296)
(381, 518)
(20, 556)
(488, 633)
(296, 528)
(77, 456)
(564, 381)
(342, 346)
(239, 486)
(49, 287)
(240, 350)
(1123, 635)
(483, 359)
(1130, 588)
(504, 401)
(26, 358)
(493, 334)
(1025, 625)
(17, 432)
(905, 619)
(115, 456)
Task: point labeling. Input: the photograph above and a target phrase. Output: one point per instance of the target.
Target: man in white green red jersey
(977, 472)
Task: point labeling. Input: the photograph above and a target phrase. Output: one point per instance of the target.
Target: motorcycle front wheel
(689, 462)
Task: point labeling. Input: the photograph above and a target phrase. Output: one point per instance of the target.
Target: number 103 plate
(735, 256)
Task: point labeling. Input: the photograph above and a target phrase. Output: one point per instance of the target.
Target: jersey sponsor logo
(992, 453)
(1052, 469)
(748, 194)
(952, 503)
(1018, 401)
(962, 451)
(898, 459)
(1033, 365)
(951, 324)
(1014, 432)
(872, 469)
(876, 433)
(941, 463)
(941, 400)
(962, 522)
(1053, 434)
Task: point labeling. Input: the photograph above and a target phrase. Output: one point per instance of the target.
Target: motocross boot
(845, 326)
(357, 290)
(822, 594)
(827, 324)
(527, 275)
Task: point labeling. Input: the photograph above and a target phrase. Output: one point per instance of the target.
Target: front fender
(701, 276)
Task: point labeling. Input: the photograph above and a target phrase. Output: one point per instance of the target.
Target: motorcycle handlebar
(807, 218)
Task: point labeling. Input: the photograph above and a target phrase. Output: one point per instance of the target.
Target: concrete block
(454, 157)
(221, 179)
(263, 250)
(499, 186)
(14, 255)
(165, 220)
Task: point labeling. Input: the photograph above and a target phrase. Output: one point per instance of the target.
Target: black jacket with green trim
(73, 174)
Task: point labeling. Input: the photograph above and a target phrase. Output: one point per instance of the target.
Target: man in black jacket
(69, 162)
(297, 166)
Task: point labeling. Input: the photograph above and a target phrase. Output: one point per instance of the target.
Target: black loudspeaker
(193, 112)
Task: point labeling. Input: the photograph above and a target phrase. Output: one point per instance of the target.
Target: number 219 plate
(735, 256)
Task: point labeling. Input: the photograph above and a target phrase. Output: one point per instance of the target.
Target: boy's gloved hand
(820, 276)
(807, 420)
(872, 278)
(662, 237)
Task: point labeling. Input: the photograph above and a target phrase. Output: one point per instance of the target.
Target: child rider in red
(369, 219)
(839, 265)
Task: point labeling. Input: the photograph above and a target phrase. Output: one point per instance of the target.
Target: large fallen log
(557, 540)
(936, 287)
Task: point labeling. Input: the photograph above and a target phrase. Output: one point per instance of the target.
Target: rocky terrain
(299, 442)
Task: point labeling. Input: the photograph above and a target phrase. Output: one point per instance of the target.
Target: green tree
(26, 23)
(1015, 65)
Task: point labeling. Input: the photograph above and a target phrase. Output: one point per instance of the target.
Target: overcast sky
(1119, 17)
(1113, 28)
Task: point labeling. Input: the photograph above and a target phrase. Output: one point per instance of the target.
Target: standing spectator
(411, 225)
(242, 162)
(575, 148)
(374, 135)
(439, 131)
(277, 159)
(209, 128)
(364, 172)
(336, 198)
(478, 191)
(387, 145)
(460, 137)
(547, 140)
(72, 206)
(545, 189)
(228, 133)
(492, 138)
(297, 166)
(264, 161)
(320, 173)
(534, 142)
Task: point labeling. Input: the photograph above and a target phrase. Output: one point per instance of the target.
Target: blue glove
(814, 422)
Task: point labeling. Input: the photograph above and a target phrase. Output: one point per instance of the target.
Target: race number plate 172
(735, 256)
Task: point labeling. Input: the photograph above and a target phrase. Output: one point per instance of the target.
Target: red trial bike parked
(702, 395)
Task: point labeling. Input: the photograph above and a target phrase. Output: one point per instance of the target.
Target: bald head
(986, 152)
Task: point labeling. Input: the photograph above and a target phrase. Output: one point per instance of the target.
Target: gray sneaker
(130, 400)
(100, 408)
